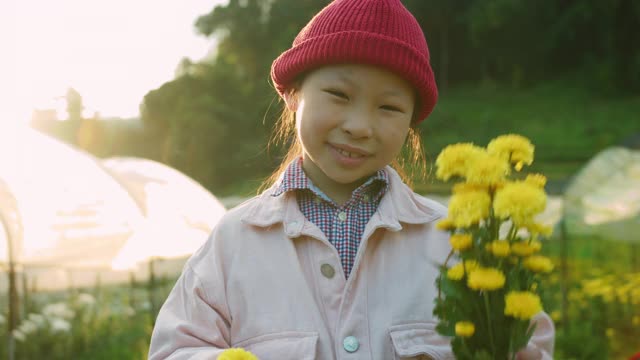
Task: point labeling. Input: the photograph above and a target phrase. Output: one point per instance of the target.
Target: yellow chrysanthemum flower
(535, 245)
(236, 354)
(499, 248)
(465, 328)
(456, 272)
(538, 263)
(445, 225)
(485, 279)
(519, 201)
(464, 187)
(635, 321)
(468, 208)
(487, 170)
(461, 242)
(556, 315)
(538, 229)
(515, 148)
(522, 305)
(454, 160)
(471, 264)
(538, 180)
(523, 248)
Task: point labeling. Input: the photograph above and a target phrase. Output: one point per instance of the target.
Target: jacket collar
(294, 178)
(399, 205)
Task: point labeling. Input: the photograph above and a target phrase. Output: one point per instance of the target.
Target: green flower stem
(486, 304)
(466, 348)
(511, 350)
(494, 223)
(512, 232)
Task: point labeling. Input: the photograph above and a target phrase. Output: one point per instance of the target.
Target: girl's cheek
(325, 118)
(392, 129)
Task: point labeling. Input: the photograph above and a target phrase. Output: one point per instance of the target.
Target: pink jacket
(267, 280)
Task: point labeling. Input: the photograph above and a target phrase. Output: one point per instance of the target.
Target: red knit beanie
(375, 32)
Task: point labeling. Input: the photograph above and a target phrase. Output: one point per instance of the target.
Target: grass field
(565, 122)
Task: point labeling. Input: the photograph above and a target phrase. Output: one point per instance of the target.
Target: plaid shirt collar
(294, 178)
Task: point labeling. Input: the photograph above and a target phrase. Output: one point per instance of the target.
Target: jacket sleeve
(542, 341)
(191, 324)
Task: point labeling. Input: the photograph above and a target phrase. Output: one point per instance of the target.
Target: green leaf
(483, 355)
(522, 335)
(446, 328)
(460, 350)
(451, 288)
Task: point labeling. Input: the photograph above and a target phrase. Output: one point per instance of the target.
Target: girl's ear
(291, 99)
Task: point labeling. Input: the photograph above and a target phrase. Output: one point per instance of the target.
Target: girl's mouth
(349, 154)
(348, 159)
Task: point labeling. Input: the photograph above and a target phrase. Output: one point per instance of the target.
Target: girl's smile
(352, 121)
(349, 156)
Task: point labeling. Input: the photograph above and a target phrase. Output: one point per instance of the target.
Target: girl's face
(352, 121)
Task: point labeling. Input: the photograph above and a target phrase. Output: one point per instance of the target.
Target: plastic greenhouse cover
(71, 216)
(179, 213)
(604, 198)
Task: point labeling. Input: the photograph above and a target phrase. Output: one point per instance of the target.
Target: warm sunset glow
(72, 213)
(111, 52)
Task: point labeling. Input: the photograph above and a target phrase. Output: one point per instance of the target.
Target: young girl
(338, 258)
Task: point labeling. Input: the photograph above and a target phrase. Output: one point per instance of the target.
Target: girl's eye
(337, 93)
(391, 108)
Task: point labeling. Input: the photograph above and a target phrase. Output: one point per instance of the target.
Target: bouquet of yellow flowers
(487, 299)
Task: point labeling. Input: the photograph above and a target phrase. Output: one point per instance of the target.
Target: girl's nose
(357, 124)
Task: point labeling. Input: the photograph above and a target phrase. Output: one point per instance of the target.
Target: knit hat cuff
(359, 47)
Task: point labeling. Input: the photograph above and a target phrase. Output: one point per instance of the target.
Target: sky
(112, 52)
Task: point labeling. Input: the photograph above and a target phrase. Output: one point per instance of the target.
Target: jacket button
(342, 216)
(350, 344)
(327, 270)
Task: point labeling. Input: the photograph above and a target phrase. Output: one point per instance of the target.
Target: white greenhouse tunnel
(68, 217)
(603, 200)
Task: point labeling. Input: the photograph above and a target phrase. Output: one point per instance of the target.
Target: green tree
(215, 118)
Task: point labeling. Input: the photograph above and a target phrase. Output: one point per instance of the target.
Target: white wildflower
(58, 310)
(60, 325)
(37, 319)
(19, 335)
(27, 327)
(85, 299)
(129, 311)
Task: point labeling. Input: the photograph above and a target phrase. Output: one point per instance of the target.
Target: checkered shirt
(342, 225)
